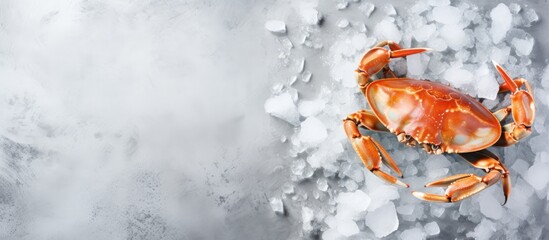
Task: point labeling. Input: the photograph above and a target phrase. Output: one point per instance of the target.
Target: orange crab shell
(433, 113)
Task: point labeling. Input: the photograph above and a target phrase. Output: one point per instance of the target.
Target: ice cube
(489, 206)
(432, 228)
(307, 215)
(387, 30)
(380, 195)
(531, 17)
(458, 77)
(383, 221)
(514, 8)
(484, 230)
(537, 174)
(413, 234)
(311, 16)
(437, 44)
(275, 26)
(454, 36)
(523, 47)
(349, 204)
(347, 227)
(501, 22)
(447, 14)
(500, 54)
(332, 234)
(389, 9)
(311, 108)
(306, 76)
(277, 205)
(486, 85)
(343, 23)
(342, 5)
(367, 8)
(416, 65)
(322, 184)
(313, 131)
(425, 32)
(407, 209)
(283, 107)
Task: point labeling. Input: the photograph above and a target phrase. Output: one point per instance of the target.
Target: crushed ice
(348, 201)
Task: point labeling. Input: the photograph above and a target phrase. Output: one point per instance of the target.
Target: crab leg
(522, 109)
(368, 149)
(462, 186)
(378, 57)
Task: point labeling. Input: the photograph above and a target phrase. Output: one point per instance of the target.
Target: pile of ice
(338, 197)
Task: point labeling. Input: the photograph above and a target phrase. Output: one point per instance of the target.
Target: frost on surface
(347, 200)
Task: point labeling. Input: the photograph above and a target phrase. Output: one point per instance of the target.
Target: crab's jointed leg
(368, 149)
(462, 186)
(377, 58)
(522, 109)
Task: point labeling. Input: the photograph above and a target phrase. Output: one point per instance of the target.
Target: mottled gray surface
(145, 120)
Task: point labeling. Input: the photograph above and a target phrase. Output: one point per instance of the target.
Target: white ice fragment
(484, 230)
(407, 209)
(531, 17)
(359, 41)
(458, 77)
(437, 162)
(347, 227)
(360, 27)
(411, 154)
(514, 8)
(322, 184)
(500, 54)
(311, 16)
(413, 234)
(387, 30)
(288, 189)
(501, 22)
(351, 204)
(545, 78)
(416, 65)
(439, 2)
(486, 85)
(306, 76)
(307, 215)
(311, 108)
(383, 220)
(343, 23)
(277, 205)
(381, 195)
(367, 8)
(342, 5)
(437, 44)
(298, 166)
(276, 26)
(332, 234)
(447, 14)
(490, 207)
(537, 173)
(454, 35)
(432, 228)
(523, 47)
(283, 107)
(344, 72)
(424, 33)
(389, 9)
(520, 166)
(301, 65)
(313, 131)
(420, 7)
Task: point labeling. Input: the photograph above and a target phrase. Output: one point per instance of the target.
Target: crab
(438, 118)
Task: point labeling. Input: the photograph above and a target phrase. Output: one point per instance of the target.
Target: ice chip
(322, 184)
(432, 229)
(283, 107)
(454, 36)
(413, 234)
(501, 22)
(367, 8)
(458, 77)
(389, 9)
(447, 14)
(311, 16)
(275, 26)
(347, 227)
(537, 173)
(343, 23)
(523, 47)
(313, 131)
(277, 205)
(425, 32)
(311, 108)
(383, 221)
(416, 65)
(490, 207)
(531, 17)
(387, 30)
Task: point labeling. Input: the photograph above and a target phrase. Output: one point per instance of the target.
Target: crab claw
(460, 186)
(407, 51)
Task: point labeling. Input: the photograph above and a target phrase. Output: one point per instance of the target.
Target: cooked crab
(438, 118)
